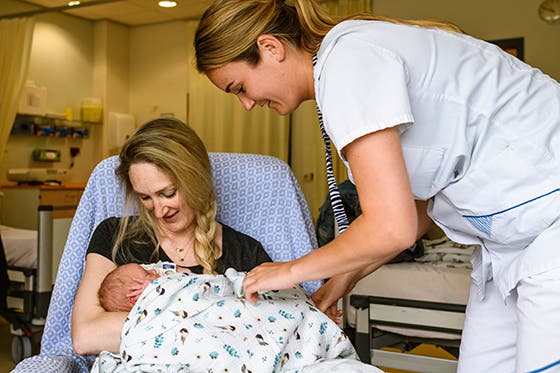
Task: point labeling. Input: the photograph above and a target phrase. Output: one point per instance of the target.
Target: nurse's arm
(389, 220)
(94, 329)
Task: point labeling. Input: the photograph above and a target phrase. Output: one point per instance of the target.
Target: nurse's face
(159, 195)
(274, 82)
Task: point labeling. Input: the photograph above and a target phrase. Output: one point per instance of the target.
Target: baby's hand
(134, 292)
(136, 289)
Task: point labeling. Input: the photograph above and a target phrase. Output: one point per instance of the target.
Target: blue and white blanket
(200, 323)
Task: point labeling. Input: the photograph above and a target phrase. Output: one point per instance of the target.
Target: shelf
(44, 125)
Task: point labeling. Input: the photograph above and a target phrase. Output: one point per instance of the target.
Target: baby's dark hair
(113, 291)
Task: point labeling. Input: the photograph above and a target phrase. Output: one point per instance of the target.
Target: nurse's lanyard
(334, 194)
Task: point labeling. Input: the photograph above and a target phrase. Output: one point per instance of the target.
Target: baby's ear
(132, 299)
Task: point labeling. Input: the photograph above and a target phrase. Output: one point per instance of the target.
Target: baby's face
(144, 275)
(139, 274)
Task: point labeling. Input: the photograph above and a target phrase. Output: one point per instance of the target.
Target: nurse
(434, 126)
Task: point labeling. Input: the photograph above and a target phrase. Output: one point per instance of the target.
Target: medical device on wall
(38, 175)
(119, 128)
(33, 99)
(46, 155)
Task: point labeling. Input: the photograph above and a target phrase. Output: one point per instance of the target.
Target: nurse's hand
(268, 276)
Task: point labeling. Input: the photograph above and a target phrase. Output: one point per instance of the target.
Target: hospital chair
(257, 195)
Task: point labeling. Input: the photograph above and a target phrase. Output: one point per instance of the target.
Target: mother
(165, 170)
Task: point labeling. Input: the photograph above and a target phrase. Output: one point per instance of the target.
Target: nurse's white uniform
(480, 132)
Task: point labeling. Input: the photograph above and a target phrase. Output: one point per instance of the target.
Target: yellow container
(91, 113)
(68, 113)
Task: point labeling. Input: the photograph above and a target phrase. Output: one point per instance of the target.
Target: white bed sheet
(20, 246)
(415, 281)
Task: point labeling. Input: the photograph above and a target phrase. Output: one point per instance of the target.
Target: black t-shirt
(239, 251)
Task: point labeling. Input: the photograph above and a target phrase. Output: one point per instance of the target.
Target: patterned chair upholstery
(257, 195)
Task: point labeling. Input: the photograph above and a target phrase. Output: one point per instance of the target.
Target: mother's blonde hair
(176, 149)
(228, 29)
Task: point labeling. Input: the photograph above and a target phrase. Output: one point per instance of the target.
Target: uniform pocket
(499, 194)
(423, 165)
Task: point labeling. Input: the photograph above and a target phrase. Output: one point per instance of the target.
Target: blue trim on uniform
(511, 208)
(551, 365)
(484, 222)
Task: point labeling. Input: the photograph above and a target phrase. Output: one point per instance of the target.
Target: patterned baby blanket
(200, 323)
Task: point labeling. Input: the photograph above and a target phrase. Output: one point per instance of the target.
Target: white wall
(143, 70)
(111, 77)
(158, 71)
(62, 60)
(489, 20)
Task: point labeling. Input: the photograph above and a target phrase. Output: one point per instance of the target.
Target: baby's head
(118, 284)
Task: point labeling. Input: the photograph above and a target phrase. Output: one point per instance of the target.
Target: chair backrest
(257, 195)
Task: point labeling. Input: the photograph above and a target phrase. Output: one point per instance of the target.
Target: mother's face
(160, 195)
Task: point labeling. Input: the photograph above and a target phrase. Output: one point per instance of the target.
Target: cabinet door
(69, 197)
(19, 208)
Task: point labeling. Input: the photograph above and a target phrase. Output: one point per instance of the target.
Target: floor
(6, 339)
(6, 364)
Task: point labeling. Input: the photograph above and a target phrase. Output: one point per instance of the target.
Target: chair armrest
(53, 364)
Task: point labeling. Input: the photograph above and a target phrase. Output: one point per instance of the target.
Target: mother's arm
(94, 329)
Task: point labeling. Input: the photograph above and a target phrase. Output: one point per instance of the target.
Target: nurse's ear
(271, 46)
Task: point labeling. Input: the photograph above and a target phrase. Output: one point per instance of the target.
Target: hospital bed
(403, 305)
(24, 308)
(31, 257)
(257, 195)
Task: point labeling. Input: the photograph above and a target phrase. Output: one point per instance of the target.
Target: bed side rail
(374, 311)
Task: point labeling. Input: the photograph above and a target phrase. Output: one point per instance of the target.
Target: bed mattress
(417, 281)
(20, 246)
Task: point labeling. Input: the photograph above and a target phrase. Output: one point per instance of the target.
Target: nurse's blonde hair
(228, 29)
(174, 148)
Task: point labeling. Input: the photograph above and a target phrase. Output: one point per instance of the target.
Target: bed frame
(34, 285)
(394, 315)
(38, 281)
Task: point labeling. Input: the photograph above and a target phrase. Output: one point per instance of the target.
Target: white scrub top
(480, 132)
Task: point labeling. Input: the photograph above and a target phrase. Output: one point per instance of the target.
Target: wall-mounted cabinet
(45, 125)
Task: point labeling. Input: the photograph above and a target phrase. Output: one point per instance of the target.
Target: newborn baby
(189, 322)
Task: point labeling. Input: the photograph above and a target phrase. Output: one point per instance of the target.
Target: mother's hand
(94, 329)
(268, 276)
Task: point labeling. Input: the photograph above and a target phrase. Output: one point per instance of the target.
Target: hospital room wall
(61, 60)
(490, 20)
(74, 59)
(142, 70)
(158, 70)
